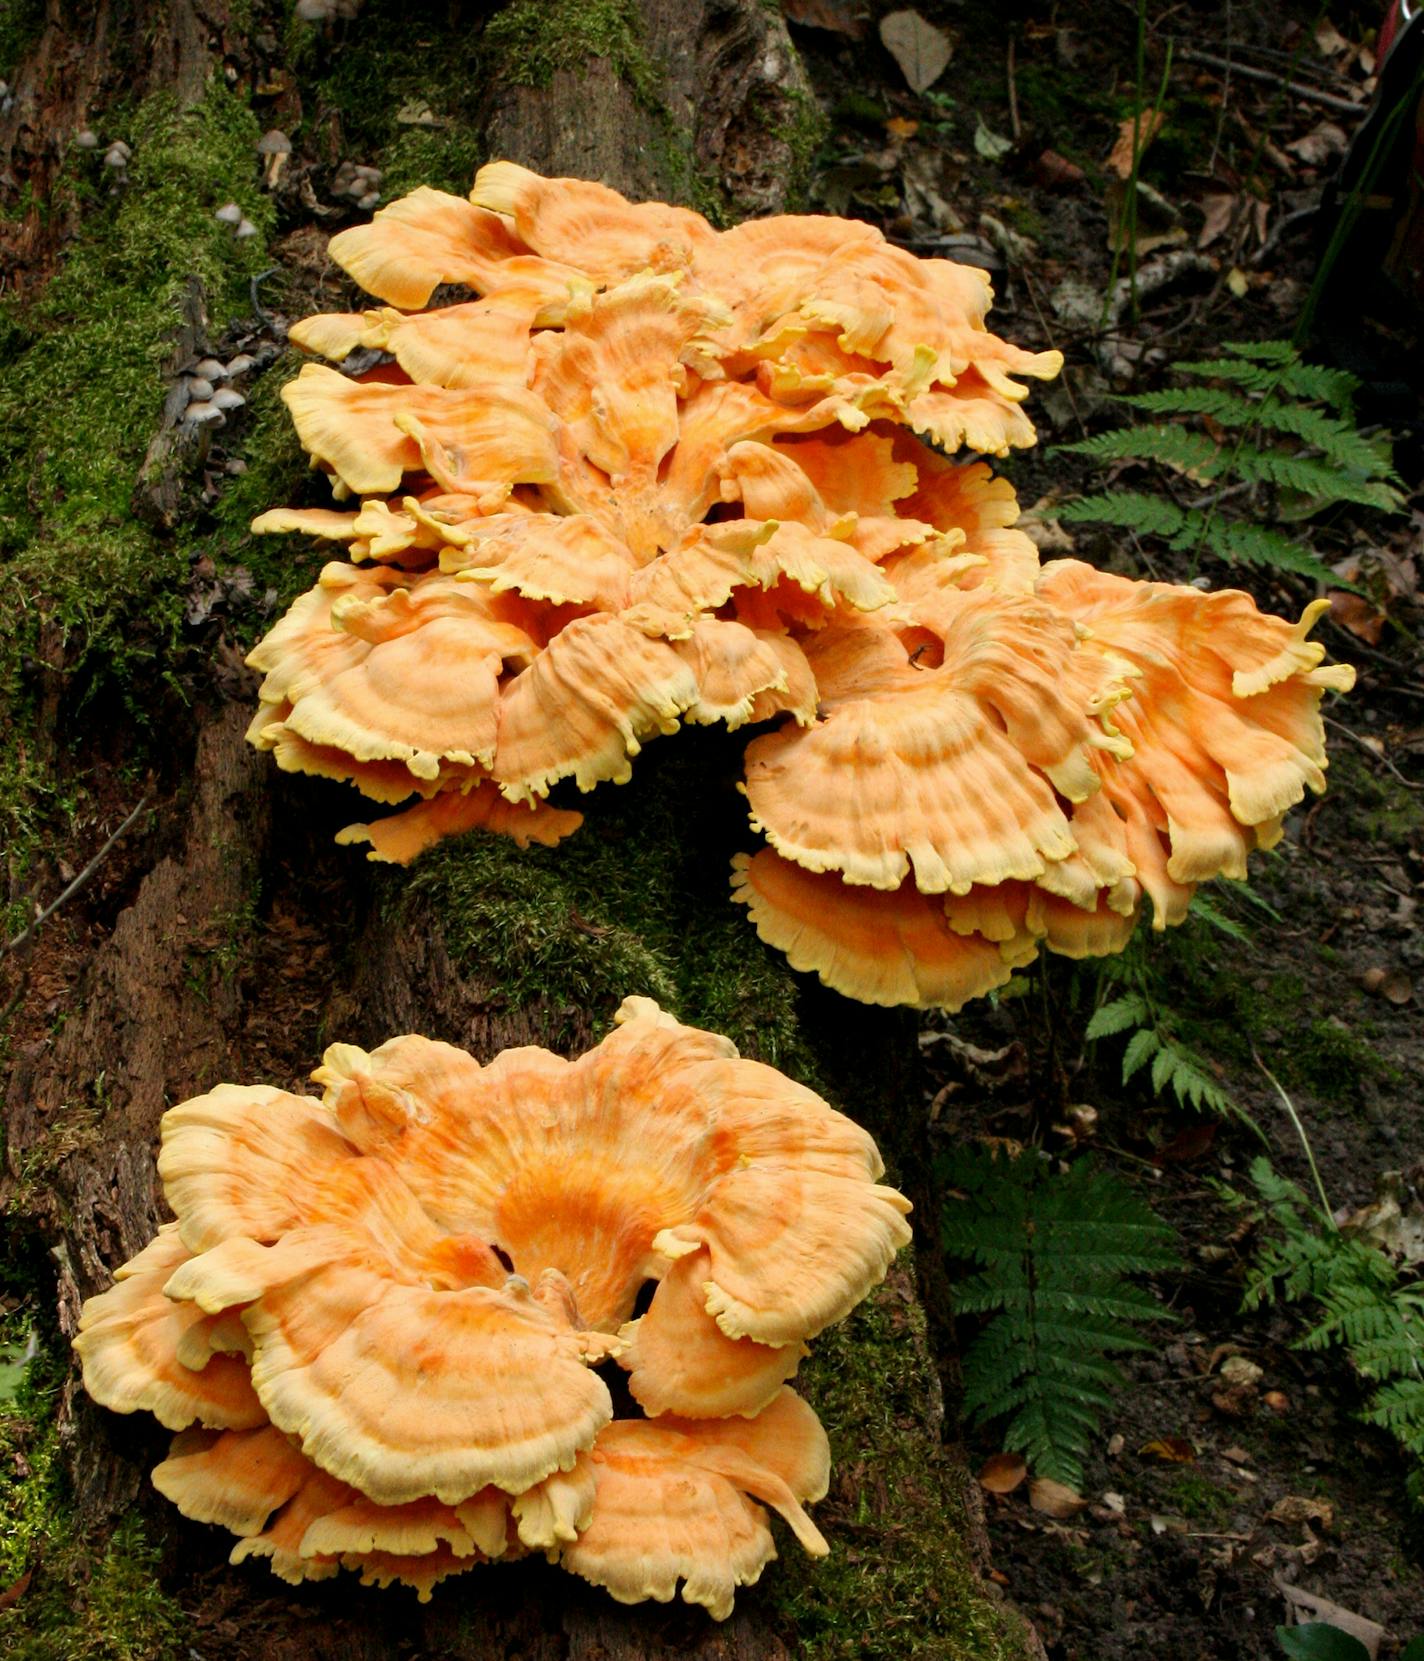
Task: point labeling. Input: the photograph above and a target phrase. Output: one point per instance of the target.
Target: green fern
(1055, 1253)
(1363, 1305)
(1294, 432)
(1130, 1001)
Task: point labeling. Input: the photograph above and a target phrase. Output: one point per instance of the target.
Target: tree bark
(246, 940)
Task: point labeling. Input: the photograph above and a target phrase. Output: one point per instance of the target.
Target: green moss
(803, 130)
(1199, 1499)
(636, 902)
(535, 38)
(89, 592)
(78, 1605)
(21, 24)
(899, 1584)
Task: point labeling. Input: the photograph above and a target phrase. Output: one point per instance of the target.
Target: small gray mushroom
(241, 364)
(200, 390)
(86, 140)
(203, 414)
(229, 213)
(226, 398)
(369, 201)
(245, 229)
(209, 369)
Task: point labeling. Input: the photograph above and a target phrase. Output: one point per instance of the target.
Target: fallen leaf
(1236, 1369)
(1172, 1450)
(1001, 1473)
(841, 17)
(1217, 213)
(921, 50)
(1237, 1456)
(1296, 1508)
(1277, 1400)
(1307, 1607)
(1054, 1499)
(1320, 145)
(1192, 1143)
(1120, 159)
(15, 1590)
(1355, 613)
(416, 113)
(1056, 172)
(1329, 40)
(899, 127)
(988, 143)
(1238, 282)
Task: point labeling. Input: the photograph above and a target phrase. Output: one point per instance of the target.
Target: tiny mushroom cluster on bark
(377, 1324)
(657, 473)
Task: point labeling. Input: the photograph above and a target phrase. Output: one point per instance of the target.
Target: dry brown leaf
(1001, 1473)
(841, 17)
(1328, 39)
(1217, 213)
(1277, 1400)
(1306, 1606)
(1121, 157)
(1320, 145)
(1297, 1508)
(1056, 172)
(15, 1590)
(899, 127)
(1189, 1144)
(1172, 1450)
(921, 50)
(1054, 1499)
(1355, 613)
(1237, 1370)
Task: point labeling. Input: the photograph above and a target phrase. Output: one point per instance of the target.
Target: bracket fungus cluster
(654, 473)
(377, 1323)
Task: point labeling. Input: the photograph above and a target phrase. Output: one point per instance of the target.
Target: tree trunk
(227, 938)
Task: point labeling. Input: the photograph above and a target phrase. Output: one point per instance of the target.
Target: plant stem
(1289, 1106)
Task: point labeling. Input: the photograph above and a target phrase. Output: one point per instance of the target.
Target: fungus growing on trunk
(657, 474)
(377, 1322)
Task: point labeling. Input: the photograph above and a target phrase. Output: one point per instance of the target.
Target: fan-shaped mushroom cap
(480, 343)
(398, 1389)
(878, 947)
(372, 433)
(955, 763)
(1225, 723)
(573, 559)
(428, 238)
(680, 1362)
(590, 226)
(401, 837)
(672, 1503)
(141, 1351)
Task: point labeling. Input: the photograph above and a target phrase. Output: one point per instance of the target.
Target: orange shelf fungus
(378, 1323)
(658, 474)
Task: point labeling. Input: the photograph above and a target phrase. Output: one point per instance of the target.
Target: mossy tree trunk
(226, 937)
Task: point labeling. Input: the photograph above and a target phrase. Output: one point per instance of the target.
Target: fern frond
(1141, 1047)
(1262, 351)
(1055, 1253)
(1226, 408)
(1133, 510)
(1203, 908)
(1117, 1016)
(1254, 377)
(1237, 542)
(1314, 478)
(1340, 441)
(1177, 447)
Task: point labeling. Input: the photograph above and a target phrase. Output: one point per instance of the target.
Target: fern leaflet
(1055, 1253)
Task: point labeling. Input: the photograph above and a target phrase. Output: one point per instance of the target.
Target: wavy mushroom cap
(376, 1322)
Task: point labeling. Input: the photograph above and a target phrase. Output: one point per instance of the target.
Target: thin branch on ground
(78, 883)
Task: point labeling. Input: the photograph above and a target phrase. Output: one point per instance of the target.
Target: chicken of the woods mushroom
(380, 1325)
(656, 474)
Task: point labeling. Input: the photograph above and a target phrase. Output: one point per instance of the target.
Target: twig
(1065, 383)
(1289, 1106)
(1225, 99)
(1015, 124)
(1370, 750)
(1348, 106)
(78, 883)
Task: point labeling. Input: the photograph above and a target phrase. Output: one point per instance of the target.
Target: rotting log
(249, 941)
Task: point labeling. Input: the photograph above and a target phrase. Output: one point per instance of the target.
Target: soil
(1177, 1557)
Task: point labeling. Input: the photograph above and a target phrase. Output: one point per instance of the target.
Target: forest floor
(1203, 1497)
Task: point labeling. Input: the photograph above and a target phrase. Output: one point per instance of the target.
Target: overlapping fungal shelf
(653, 473)
(377, 1323)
